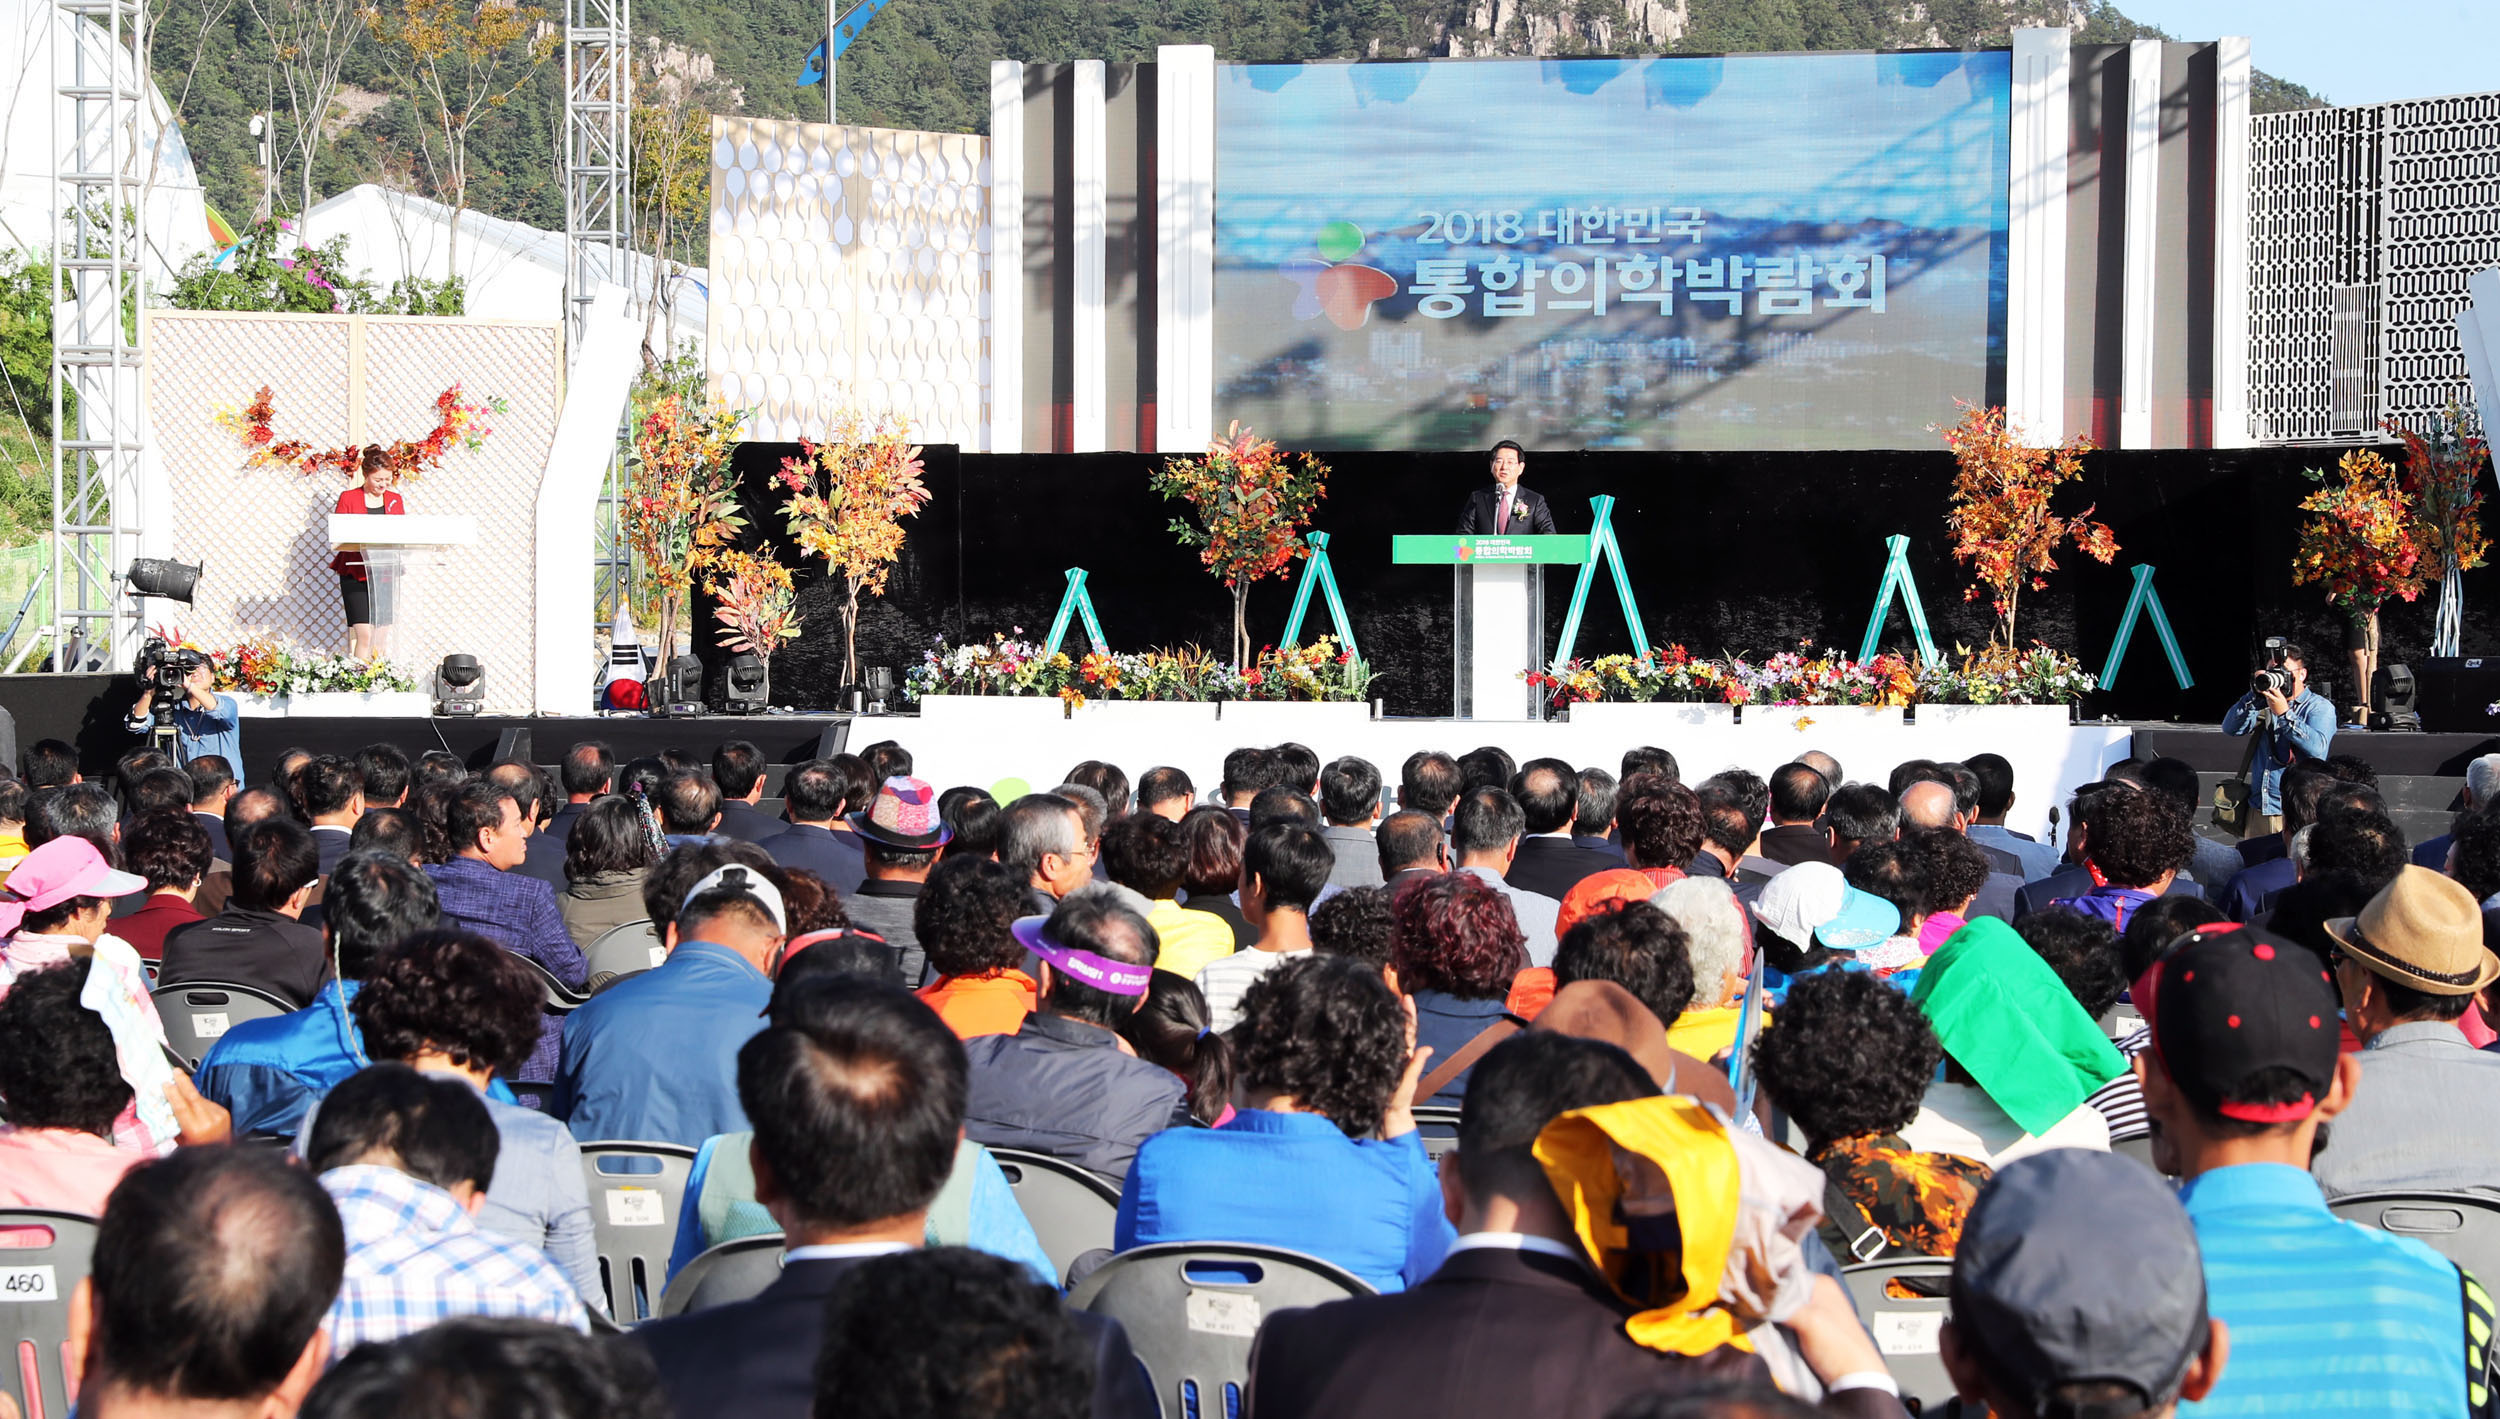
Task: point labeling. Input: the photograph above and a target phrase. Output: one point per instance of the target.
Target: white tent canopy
(513, 271)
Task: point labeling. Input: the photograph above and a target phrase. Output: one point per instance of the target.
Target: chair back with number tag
(2463, 1227)
(1072, 1211)
(737, 1270)
(621, 951)
(197, 1015)
(43, 1257)
(1191, 1311)
(1907, 1328)
(1437, 1126)
(635, 1192)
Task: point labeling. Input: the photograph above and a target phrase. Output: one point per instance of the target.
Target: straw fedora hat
(2425, 931)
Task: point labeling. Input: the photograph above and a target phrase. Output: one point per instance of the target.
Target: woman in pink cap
(53, 909)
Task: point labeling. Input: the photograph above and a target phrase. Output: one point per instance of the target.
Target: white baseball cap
(738, 877)
(1813, 903)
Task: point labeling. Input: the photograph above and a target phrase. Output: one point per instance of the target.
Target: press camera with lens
(2273, 675)
(163, 668)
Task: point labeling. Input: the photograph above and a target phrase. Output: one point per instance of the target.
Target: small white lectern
(392, 547)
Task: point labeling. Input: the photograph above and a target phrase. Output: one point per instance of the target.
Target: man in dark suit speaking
(1506, 509)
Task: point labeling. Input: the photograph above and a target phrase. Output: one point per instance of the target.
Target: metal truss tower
(598, 213)
(100, 78)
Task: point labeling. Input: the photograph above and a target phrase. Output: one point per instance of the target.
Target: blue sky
(2351, 54)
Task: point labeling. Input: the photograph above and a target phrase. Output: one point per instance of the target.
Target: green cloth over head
(2009, 1021)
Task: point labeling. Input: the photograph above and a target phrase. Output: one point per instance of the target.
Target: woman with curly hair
(2135, 843)
(452, 1002)
(963, 919)
(1849, 1058)
(1456, 947)
(1952, 870)
(61, 1085)
(1322, 1156)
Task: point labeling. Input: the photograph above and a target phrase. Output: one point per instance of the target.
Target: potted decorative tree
(681, 501)
(2443, 478)
(1999, 512)
(847, 498)
(1251, 505)
(756, 608)
(2361, 543)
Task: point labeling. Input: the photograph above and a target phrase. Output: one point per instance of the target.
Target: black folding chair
(2461, 1226)
(197, 1015)
(636, 1190)
(1907, 1328)
(36, 1282)
(1191, 1311)
(736, 1270)
(1072, 1211)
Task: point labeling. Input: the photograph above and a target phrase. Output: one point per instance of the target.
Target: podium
(1497, 619)
(390, 546)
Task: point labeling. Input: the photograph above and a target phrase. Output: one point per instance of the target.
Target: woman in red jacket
(373, 495)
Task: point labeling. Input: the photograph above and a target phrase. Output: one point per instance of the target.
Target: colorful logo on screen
(1336, 285)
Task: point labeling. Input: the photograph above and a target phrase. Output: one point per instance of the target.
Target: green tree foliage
(26, 414)
(264, 275)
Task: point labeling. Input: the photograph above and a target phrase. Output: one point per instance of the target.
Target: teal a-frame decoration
(1315, 568)
(2141, 602)
(1897, 579)
(1078, 603)
(1602, 548)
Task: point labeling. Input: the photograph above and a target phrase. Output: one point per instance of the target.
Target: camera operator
(2292, 726)
(204, 722)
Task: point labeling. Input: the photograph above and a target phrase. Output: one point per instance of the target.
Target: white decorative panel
(261, 533)
(850, 270)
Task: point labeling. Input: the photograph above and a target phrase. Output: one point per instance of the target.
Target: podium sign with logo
(1497, 613)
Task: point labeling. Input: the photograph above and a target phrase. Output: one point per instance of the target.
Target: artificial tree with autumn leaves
(680, 508)
(2362, 542)
(755, 604)
(2443, 474)
(846, 501)
(2004, 527)
(1252, 503)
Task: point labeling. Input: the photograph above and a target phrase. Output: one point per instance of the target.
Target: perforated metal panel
(2364, 225)
(850, 270)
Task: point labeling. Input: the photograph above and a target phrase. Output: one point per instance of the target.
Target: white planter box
(1149, 715)
(393, 704)
(1653, 717)
(1992, 719)
(258, 706)
(996, 713)
(1277, 721)
(1809, 718)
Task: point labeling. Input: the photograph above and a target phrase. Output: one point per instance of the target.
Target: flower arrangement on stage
(1999, 514)
(847, 500)
(458, 423)
(269, 666)
(1251, 503)
(2443, 473)
(755, 605)
(2360, 541)
(1322, 671)
(680, 508)
(1996, 675)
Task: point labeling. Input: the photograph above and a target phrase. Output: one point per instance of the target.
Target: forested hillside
(924, 64)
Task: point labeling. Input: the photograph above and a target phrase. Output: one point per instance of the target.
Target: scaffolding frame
(99, 64)
(598, 221)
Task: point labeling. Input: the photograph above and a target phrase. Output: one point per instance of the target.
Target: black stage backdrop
(1747, 553)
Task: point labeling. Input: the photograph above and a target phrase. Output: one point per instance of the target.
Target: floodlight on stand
(160, 577)
(2393, 692)
(459, 685)
(742, 684)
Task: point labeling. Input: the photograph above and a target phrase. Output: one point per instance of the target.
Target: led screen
(1751, 252)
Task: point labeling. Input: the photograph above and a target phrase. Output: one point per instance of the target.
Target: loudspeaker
(513, 747)
(835, 739)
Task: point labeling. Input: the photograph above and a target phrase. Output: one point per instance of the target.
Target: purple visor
(1100, 972)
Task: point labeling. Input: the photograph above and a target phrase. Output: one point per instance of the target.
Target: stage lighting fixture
(742, 684)
(156, 576)
(459, 685)
(681, 687)
(2393, 692)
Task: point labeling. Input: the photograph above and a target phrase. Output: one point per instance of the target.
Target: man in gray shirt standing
(2420, 1120)
(1349, 796)
(901, 836)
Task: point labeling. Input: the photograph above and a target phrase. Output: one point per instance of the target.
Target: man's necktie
(1501, 511)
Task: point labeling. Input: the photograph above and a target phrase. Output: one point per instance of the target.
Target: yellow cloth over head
(1652, 1187)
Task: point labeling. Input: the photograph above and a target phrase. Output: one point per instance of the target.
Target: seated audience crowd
(1578, 1087)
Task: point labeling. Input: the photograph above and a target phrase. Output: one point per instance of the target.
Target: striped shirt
(2121, 1100)
(1224, 980)
(2326, 1316)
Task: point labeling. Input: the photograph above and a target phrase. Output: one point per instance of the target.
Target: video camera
(163, 668)
(2272, 675)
